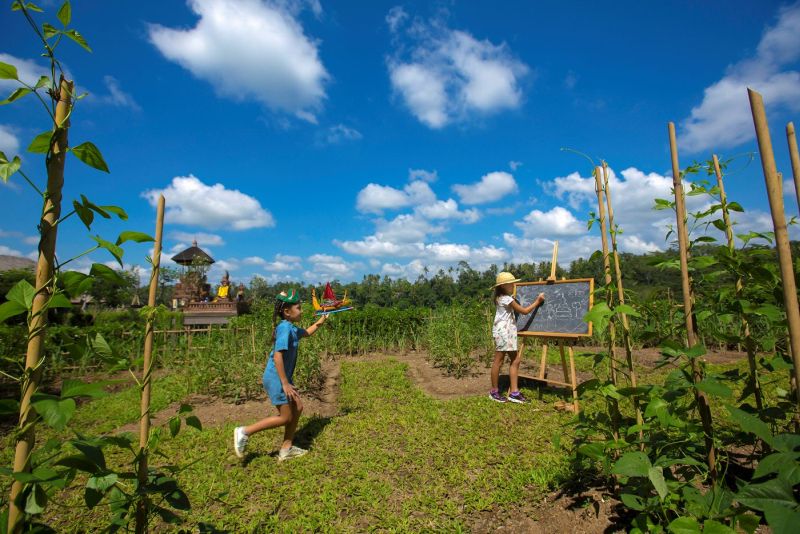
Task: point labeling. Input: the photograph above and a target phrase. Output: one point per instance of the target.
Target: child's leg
(498, 361)
(513, 370)
(291, 426)
(283, 418)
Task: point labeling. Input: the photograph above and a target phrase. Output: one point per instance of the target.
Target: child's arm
(517, 307)
(314, 327)
(288, 388)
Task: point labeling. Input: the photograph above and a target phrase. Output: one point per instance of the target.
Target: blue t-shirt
(287, 336)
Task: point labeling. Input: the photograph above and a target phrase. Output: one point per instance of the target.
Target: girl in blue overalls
(278, 377)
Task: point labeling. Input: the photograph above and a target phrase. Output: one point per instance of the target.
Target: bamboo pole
(48, 228)
(612, 329)
(683, 244)
(791, 138)
(775, 195)
(626, 330)
(143, 504)
(749, 346)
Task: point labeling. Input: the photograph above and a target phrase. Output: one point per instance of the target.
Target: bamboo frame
(683, 244)
(751, 356)
(48, 226)
(776, 207)
(142, 506)
(791, 139)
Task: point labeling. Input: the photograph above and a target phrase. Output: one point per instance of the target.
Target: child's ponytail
(276, 317)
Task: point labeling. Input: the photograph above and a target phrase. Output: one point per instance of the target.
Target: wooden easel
(570, 378)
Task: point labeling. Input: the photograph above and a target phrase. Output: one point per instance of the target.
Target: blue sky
(309, 140)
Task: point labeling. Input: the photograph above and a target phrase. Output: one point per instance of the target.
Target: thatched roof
(192, 256)
(8, 263)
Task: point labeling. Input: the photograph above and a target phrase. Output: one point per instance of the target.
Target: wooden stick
(626, 331)
(601, 213)
(791, 138)
(543, 364)
(144, 418)
(553, 262)
(749, 345)
(775, 195)
(573, 378)
(683, 247)
(48, 229)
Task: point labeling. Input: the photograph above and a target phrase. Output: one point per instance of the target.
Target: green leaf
(89, 154)
(22, 293)
(634, 502)
(16, 94)
(632, 464)
(75, 283)
(91, 452)
(119, 212)
(785, 464)
(41, 143)
(10, 309)
(174, 426)
(715, 388)
(627, 310)
(656, 476)
(85, 214)
(76, 388)
(78, 38)
(595, 451)
(115, 251)
(49, 30)
(36, 501)
(748, 522)
(751, 423)
(735, 206)
(782, 520)
(194, 422)
(759, 496)
(102, 483)
(715, 527)
(59, 300)
(55, 412)
(8, 72)
(684, 525)
(44, 81)
(8, 168)
(101, 346)
(139, 237)
(65, 13)
(11, 406)
(107, 273)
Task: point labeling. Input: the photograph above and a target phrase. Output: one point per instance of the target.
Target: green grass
(394, 460)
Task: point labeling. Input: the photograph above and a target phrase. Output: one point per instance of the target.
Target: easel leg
(573, 378)
(543, 364)
(563, 360)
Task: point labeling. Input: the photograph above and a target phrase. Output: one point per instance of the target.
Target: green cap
(289, 297)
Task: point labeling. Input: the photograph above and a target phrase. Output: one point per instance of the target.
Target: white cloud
(788, 188)
(193, 203)
(375, 198)
(281, 263)
(341, 133)
(7, 251)
(27, 71)
(202, 238)
(514, 165)
(448, 209)
(395, 18)
(248, 49)
(490, 188)
(723, 119)
(116, 96)
(556, 222)
(446, 75)
(9, 143)
(326, 267)
(422, 174)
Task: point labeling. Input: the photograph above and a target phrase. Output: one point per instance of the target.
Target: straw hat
(505, 278)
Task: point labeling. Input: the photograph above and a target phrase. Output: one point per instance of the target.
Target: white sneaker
(291, 452)
(239, 441)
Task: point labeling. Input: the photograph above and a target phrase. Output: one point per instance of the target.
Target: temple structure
(194, 296)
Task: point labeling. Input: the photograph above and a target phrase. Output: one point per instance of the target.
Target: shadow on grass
(304, 437)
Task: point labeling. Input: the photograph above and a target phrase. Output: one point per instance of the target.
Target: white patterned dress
(504, 330)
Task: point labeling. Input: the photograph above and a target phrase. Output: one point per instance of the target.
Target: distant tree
(9, 278)
(111, 294)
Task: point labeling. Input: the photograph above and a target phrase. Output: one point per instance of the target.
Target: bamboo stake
(143, 504)
(612, 329)
(683, 243)
(795, 157)
(749, 346)
(775, 195)
(51, 212)
(626, 330)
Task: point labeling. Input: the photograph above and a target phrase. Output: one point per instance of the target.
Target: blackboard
(561, 315)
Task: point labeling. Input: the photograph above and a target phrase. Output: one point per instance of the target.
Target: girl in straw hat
(504, 332)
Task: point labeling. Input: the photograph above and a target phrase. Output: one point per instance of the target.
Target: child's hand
(291, 392)
(321, 320)
(540, 298)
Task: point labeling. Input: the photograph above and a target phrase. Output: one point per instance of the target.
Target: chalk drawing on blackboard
(566, 303)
